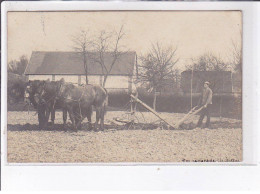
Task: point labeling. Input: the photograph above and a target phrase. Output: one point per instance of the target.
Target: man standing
(205, 102)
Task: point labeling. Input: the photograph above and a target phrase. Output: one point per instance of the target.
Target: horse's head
(61, 89)
(39, 93)
(34, 92)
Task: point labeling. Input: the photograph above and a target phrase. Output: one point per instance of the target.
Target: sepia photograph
(104, 87)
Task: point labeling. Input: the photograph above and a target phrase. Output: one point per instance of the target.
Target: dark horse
(18, 89)
(43, 96)
(31, 92)
(79, 100)
(47, 96)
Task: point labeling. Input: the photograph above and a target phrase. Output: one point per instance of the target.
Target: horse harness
(57, 96)
(82, 94)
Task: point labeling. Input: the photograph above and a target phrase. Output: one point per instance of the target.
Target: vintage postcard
(124, 87)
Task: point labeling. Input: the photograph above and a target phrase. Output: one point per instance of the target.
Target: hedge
(223, 105)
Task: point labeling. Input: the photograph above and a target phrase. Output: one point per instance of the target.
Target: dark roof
(71, 63)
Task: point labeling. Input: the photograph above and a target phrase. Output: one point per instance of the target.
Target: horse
(46, 94)
(18, 88)
(79, 100)
(42, 94)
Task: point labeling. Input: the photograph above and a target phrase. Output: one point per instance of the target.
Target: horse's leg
(47, 116)
(64, 117)
(41, 116)
(97, 117)
(52, 116)
(79, 117)
(102, 116)
(72, 117)
(89, 114)
(78, 123)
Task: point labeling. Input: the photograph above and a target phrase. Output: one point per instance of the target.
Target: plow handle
(188, 115)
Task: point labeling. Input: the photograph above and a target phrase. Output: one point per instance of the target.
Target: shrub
(222, 105)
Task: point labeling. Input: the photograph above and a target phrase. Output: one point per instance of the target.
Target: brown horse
(79, 100)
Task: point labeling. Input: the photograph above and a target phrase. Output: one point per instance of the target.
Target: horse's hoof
(90, 127)
(65, 128)
(42, 127)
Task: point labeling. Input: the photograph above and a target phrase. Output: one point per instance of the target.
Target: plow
(130, 119)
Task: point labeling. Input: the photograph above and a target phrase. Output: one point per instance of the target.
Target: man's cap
(206, 83)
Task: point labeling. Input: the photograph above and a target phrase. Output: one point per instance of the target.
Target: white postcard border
(178, 176)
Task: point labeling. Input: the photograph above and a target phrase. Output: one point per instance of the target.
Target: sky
(193, 32)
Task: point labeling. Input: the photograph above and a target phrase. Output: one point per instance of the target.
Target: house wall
(68, 78)
(39, 77)
(112, 82)
(92, 79)
(117, 82)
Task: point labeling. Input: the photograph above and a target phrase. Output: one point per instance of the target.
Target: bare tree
(236, 57)
(18, 67)
(157, 68)
(207, 62)
(108, 43)
(82, 43)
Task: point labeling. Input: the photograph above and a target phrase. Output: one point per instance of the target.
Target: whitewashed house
(69, 65)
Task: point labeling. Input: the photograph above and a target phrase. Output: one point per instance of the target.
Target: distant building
(237, 82)
(220, 81)
(69, 65)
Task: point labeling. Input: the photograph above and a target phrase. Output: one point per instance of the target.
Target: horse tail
(101, 97)
(105, 103)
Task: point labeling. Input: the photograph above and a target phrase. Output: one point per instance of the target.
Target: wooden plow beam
(151, 110)
(175, 126)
